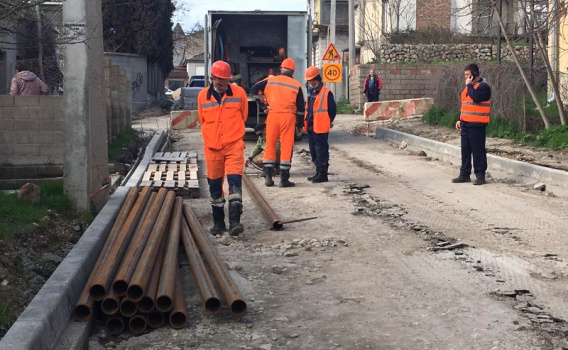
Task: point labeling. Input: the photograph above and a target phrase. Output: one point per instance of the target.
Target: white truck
(254, 44)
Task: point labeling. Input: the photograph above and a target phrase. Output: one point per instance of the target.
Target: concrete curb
(498, 167)
(47, 323)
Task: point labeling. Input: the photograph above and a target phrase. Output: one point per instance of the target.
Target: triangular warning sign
(331, 54)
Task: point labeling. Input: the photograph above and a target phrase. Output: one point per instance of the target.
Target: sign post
(332, 71)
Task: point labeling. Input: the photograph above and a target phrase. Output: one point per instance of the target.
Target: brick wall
(31, 136)
(399, 81)
(430, 13)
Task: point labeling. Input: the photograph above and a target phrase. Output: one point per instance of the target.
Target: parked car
(196, 81)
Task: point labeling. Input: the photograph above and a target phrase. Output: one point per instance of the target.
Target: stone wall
(392, 53)
(31, 136)
(400, 81)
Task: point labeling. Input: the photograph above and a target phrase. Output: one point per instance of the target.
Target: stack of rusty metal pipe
(136, 280)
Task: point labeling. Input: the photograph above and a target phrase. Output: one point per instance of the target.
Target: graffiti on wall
(137, 83)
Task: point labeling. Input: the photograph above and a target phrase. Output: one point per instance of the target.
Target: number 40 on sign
(332, 72)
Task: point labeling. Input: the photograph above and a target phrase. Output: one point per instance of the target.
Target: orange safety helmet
(312, 72)
(288, 63)
(221, 70)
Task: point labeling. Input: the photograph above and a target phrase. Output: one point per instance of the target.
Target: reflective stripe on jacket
(474, 112)
(281, 93)
(321, 120)
(222, 123)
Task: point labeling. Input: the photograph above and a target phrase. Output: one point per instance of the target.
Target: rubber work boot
(267, 171)
(218, 221)
(310, 178)
(461, 179)
(321, 176)
(480, 181)
(276, 170)
(284, 176)
(235, 211)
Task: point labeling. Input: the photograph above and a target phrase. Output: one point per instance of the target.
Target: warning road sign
(332, 72)
(331, 54)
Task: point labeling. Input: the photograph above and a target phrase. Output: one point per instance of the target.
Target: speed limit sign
(332, 72)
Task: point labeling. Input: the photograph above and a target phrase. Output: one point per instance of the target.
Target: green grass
(6, 318)
(343, 107)
(554, 138)
(19, 217)
(120, 143)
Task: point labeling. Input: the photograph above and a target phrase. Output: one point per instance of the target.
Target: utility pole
(332, 23)
(85, 125)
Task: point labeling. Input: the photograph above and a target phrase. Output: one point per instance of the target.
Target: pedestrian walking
(285, 100)
(25, 82)
(372, 86)
(320, 113)
(223, 110)
(472, 123)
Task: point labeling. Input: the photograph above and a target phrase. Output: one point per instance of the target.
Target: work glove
(247, 163)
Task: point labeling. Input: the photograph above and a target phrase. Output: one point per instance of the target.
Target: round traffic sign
(332, 72)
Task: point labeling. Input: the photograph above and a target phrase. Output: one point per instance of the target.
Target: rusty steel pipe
(155, 319)
(167, 284)
(115, 325)
(145, 265)
(204, 283)
(137, 243)
(147, 303)
(110, 304)
(84, 306)
(269, 214)
(106, 273)
(137, 324)
(178, 315)
(127, 307)
(234, 299)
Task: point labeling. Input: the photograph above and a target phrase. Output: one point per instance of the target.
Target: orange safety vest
(281, 92)
(474, 112)
(222, 123)
(322, 122)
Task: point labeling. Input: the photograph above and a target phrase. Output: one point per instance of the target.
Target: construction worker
(223, 110)
(285, 110)
(257, 154)
(472, 124)
(320, 113)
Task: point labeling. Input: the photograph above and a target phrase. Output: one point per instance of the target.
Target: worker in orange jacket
(223, 110)
(285, 110)
(320, 113)
(474, 118)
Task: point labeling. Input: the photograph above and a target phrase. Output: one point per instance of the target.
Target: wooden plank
(181, 176)
(157, 176)
(147, 176)
(193, 175)
(192, 154)
(193, 183)
(145, 183)
(152, 167)
(170, 175)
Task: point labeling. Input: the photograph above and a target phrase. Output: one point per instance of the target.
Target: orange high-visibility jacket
(222, 123)
(322, 122)
(474, 112)
(281, 93)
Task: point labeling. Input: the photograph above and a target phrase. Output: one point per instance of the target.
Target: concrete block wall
(400, 81)
(116, 84)
(31, 136)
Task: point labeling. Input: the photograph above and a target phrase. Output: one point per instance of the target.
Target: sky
(190, 12)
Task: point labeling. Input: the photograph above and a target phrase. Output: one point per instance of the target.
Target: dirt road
(398, 258)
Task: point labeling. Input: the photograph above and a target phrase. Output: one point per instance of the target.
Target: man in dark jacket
(372, 86)
(472, 123)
